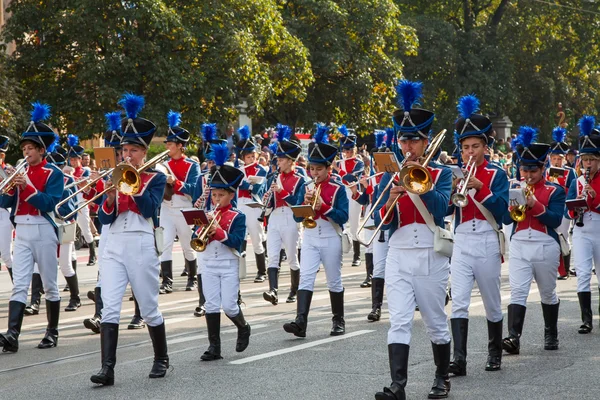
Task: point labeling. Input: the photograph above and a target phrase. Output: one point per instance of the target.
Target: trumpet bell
(126, 179)
(198, 245)
(309, 223)
(416, 179)
(518, 214)
(460, 200)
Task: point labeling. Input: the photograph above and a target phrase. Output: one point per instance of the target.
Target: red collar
(287, 174)
(483, 164)
(540, 184)
(39, 166)
(224, 208)
(179, 160)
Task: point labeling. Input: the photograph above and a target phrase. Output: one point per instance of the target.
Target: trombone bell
(416, 179)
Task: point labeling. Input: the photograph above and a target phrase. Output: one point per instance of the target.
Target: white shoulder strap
(416, 199)
(487, 214)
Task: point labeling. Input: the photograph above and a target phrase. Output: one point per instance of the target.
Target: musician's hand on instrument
(531, 201)
(94, 175)
(170, 179)
(318, 204)
(275, 188)
(474, 183)
(308, 196)
(198, 203)
(20, 181)
(354, 189)
(590, 191)
(212, 230)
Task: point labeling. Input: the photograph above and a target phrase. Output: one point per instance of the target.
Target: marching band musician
(322, 243)
(414, 273)
(132, 220)
(535, 248)
(182, 177)
(247, 151)
(112, 138)
(220, 259)
(286, 189)
(477, 222)
(83, 216)
(376, 254)
(32, 200)
(586, 241)
(66, 251)
(351, 165)
(6, 227)
(558, 149)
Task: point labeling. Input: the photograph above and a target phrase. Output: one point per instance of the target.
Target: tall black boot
(10, 274)
(167, 277)
(200, 310)
(298, 326)
(137, 322)
(74, 301)
(271, 295)
(494, 360)
(398, 356)
(192, 281)
(460, 332)
(9, 341)
(161, 357)
(261, 267)
(299, 254)
(213, 326)
(93, 323)
(51, 337)
(264, 243)
(356, 257)
(243, 337)
(92, 247)
(585, 303)
(36, 295)
(516, 318)
(441, 384)
(337, 308)
(369, 266)
(377, 287)
(109, 337)
(295, 281)
(550, 312)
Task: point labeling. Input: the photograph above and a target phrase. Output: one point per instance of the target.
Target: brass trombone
(416, 178)
(199, 243)
(460, 198)
(309, 221)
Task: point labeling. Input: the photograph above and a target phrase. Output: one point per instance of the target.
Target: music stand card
(303, 211)
(575, 204)
(254, 204)
(386, 162)
(106, 157)
(195, 216)
(457, 171)
(516, 196)
(555, 171)
(256, 180)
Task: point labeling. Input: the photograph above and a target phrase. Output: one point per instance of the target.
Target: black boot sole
(294, 329)
(91, 326)
(270, 298)
(100, 380)
(210, 357)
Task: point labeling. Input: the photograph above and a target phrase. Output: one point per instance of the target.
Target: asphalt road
(278, 366)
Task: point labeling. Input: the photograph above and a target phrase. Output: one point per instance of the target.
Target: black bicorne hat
(4, 142)
(409, 122)
(246, 144)
(176, 134)
(320, 151)
(37, 131)
(135, 130)
(589, 136)
(223, 176)
(470, 124)
(530, 154)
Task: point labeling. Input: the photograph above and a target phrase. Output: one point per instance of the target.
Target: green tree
(12, 115)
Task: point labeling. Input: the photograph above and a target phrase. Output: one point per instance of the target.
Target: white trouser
(476, 257)
(380, 252)
(317, 250)
(174, 224)
(283, 232)
(354, 210)
(416, 276)
(65, 255)
(220, 284)
(130, 258)
(6, 237)
(530, 260)
(101, 244)
(564, 228)
(586, 251)
(253, 226)
(84, 220)
(368, 233)
(35, 244)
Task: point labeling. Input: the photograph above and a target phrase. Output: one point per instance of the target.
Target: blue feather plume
(72, 140)
(559, 134)
(322, 134)
(113, 121)
(468, 105)
(133, 104)
(586, 125)
(219, 153)
(244, 132)
(284, 132)
(40, 112)
(343, 130)
(52, 146)
(273, 147)
(174, 118)
(456, 139)
(389, 137)
(209, 132)
(379, 136)
(409, 93)
(527, 135)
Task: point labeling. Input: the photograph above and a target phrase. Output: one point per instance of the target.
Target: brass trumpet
(309, 222)
(8, 184)
(416, 178)
(199, 243)
(519, 213)
(460, 198)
